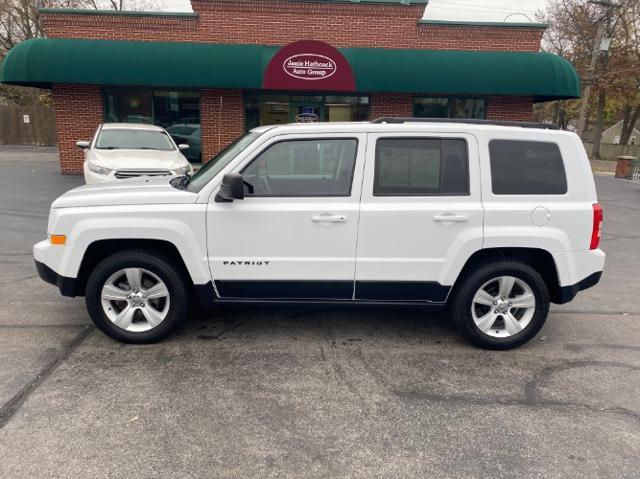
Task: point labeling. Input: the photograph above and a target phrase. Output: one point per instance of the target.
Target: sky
(476, 10)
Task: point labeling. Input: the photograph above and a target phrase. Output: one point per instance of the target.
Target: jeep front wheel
(136, 297)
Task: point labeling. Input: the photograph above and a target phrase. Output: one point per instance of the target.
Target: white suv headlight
(183, 171)
(99, 169)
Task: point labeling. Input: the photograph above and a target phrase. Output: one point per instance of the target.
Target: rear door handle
(450, 218)
(327, 218)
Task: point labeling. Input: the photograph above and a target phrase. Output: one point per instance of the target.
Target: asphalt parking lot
(291, 393)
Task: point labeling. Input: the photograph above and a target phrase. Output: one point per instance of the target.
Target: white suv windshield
(218, 162)
(121, 139)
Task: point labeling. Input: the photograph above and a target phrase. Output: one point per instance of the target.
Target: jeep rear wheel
(136, 297)
(501, 305)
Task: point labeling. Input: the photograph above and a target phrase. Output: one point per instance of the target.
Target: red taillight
(598, 216)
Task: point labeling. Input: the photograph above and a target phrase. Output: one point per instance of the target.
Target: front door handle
(450, 218)
(328, 218)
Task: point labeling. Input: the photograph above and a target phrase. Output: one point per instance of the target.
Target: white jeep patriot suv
(495, 220)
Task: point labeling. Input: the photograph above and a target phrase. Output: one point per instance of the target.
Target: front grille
(123, 174)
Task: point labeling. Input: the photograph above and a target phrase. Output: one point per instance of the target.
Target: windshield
(218, 162)
(121, 139)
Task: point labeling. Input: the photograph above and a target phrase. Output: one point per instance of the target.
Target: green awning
(43, 62)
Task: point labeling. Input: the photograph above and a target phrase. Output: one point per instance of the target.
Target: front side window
(296, 168)
(421, 167)
(527, 168)
(122, 139)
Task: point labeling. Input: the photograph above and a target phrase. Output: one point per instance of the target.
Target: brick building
(210, 75)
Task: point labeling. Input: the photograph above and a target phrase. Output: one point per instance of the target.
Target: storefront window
(278, 109)
(129, 106)
(450, 107)
(176, 111)
(467, 108)
(176, 108)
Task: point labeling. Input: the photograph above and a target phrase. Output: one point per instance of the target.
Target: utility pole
(591, 72)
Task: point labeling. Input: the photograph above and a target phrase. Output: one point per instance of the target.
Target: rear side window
(421, 167)
(527, 168)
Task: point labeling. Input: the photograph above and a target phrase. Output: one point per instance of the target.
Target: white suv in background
(123, 150)
(494, 220)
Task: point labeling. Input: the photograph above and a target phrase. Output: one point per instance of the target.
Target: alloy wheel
(135, 299)
(503, 307)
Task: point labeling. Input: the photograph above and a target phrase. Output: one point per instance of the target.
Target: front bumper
(67, 286)
(49, 260)
(92, 178)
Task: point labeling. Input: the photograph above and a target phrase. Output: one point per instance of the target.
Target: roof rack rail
(521, 124)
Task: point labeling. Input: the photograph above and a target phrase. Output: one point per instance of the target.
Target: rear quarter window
(527, 168)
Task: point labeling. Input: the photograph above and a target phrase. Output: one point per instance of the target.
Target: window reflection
(273, 109)
(450, 107)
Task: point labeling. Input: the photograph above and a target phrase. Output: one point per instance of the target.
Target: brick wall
(125, 27)
(479, 38)
(78, 111)
(510, 108)
(390, 104)
(222, 119)
(278, 22)
(624, 168)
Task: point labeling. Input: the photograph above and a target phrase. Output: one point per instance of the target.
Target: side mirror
(83, 145)
(183, 146)
(232, 188)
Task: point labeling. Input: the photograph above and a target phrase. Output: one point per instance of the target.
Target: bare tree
(130, 5)
(572, 32)
(628, 70)
(20, 21)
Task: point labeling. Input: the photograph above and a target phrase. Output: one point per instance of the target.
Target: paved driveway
(302, 392)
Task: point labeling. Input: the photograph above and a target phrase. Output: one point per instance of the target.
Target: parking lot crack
(491, 401)
(13, 405)
(226, 330)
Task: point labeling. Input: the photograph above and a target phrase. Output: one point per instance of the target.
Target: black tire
(461, 303)
(164, 269)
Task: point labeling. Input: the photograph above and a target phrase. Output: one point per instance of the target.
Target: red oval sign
(310, 66)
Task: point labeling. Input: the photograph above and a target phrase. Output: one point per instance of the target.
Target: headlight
(99, 169)
(183, 171)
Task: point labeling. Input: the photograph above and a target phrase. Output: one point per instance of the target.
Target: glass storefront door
(306, 112)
